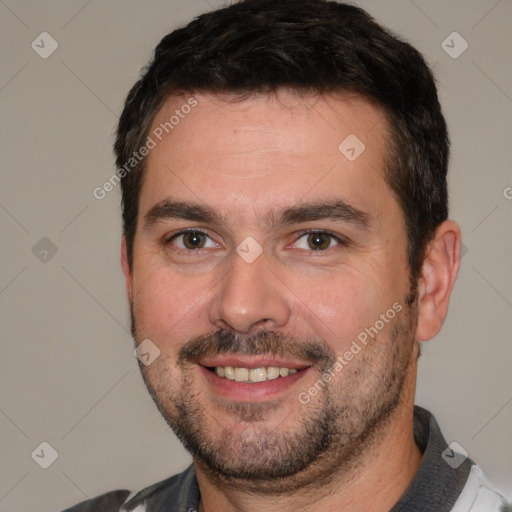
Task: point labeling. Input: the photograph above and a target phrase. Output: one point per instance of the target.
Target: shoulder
(110, 502)
(479, 496)
(175, 493)
(446, 479)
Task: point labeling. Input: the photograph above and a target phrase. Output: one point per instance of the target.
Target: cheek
(166, 305)
(340, 306)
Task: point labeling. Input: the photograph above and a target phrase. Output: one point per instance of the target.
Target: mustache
(315, 351)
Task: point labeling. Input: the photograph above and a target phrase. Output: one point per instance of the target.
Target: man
(286, 249)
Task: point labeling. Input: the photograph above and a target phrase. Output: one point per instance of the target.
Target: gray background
(68, 372)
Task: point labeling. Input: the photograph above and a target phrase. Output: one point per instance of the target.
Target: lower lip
(257, 391)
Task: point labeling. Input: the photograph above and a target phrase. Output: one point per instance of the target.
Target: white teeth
(241, 374)
(272, 372)
(254, 374)
(258, 374)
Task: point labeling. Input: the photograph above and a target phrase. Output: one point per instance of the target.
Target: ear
(438, 275)
(125, 265)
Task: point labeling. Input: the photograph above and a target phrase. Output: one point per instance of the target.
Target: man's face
(259, 244)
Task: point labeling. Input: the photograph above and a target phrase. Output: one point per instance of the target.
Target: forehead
(266, 149)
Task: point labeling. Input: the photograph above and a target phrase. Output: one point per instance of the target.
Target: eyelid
(183, 231)
(341, 240)
(169, 238)
(338, 238)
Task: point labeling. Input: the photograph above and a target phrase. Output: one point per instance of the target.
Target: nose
(250, 297)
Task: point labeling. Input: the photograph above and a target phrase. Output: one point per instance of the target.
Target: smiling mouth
(253, 375)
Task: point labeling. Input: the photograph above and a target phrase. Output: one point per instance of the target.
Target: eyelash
(182, 232)
(339, 240)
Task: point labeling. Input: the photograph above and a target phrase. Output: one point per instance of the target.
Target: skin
(247, 159)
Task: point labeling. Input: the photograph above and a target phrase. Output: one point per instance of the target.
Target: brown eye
(194, 240)
(319, 241)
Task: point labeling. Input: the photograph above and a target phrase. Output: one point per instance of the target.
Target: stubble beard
(319, 441)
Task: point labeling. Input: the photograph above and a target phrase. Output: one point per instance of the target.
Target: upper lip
(257, 361)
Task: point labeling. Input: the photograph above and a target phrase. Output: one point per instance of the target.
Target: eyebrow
(169, 209)
(337, 210)
(320, 210)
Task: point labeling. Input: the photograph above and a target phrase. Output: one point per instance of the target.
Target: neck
(380, 477)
